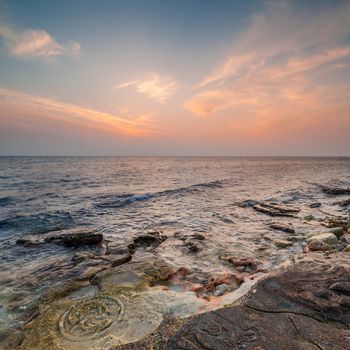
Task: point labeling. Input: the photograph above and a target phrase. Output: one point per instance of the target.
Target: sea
(123, 197)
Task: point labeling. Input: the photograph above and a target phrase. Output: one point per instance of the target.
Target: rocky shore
(116, 295)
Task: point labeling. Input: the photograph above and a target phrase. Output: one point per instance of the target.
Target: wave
(38, 223)
(122, 200)
(117, 201)
(6, 201)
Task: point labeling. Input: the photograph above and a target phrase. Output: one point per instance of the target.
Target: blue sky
(174, 77)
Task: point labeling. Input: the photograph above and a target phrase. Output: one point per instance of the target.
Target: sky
(175, 77)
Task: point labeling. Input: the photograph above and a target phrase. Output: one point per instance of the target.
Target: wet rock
(303, 292)
(183, 236)
(149, 240)
(346, 237)
(326, 237)
(338, 231)
(27, 242)
(221, 290)
(240, 327)
(315, 205)
(118, 254)
(343, 203)
(338, 221)
(347, 249)
(247, 264)
(248, 203)
(315, 245)
(275, 210)
(335, 191)
(76, 237)
(82, 256)
(198, 237)
(12, 340)
(120, 259)
(192, 246)
(282, 227)
(342, 287)
(279, 243)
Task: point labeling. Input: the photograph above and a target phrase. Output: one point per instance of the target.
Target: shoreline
(127, 296)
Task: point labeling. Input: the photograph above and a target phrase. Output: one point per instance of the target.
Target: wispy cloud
(27, 111)
(154, 85)
(280, 63)
(36, 43)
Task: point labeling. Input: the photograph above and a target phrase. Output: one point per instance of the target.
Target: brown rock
(316, 245)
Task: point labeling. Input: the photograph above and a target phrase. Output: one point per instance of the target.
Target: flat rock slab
(240, 327)
(295, 310)
(302, 308)
(308, 293)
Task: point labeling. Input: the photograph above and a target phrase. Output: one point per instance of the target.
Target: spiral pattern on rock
(91, 318)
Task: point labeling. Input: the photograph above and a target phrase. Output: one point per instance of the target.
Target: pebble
(221, 290)
(318, 246)
(326, 237)
(282, 244)
(338, 231)
(347, 249)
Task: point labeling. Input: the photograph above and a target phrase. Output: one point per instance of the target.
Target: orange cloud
(281, 62)
(155, 86)
(36, 44)
(27, 111)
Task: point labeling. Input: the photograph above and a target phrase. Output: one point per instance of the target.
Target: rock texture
(295, 310)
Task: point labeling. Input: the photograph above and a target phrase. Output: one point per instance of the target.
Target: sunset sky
(174, 77)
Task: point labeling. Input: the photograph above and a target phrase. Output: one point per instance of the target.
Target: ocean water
(123, 197)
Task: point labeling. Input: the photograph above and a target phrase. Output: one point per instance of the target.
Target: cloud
(26, 111)
(155, 86)
(36, 44)
(282, 61)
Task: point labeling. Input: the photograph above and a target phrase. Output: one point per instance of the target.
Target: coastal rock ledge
(294, 310)
(302, 307)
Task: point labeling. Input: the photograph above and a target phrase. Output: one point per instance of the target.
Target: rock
(275, 210)
(82, 256)
(279, 243)
(248, 203)
(326, 237)
(304, 292)
(247, 264)
(338, 231)
(346, 237)
(315, 205)
(335, 191)
(338, 221)
(120, 259)
(198, 236)
(343, 287)
(343, 203)
(282, 227)
(347, 249)
(192, 247)
(26, 242)
(309, 217)
(221, 290)
(150, 240)
(118, 254)
(318, 246)
(183, 236)
(296, 306)
(305, 307)
(76, 237)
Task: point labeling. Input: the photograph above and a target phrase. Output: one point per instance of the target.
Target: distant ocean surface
(122, 197)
